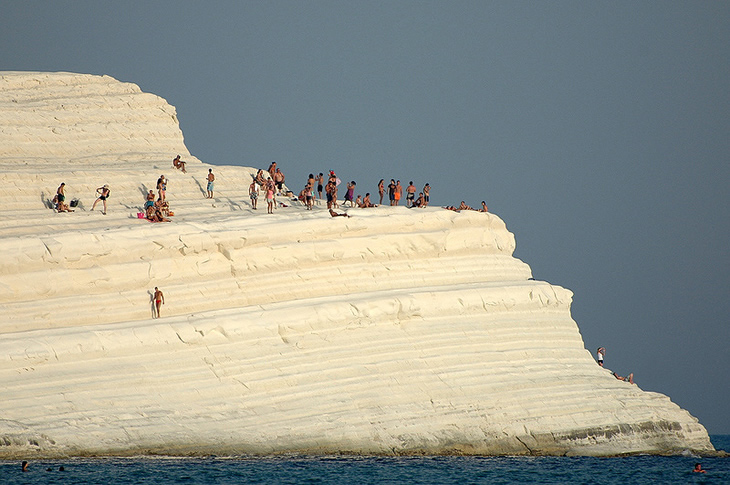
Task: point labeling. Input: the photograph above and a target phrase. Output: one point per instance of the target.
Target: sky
(599, 132)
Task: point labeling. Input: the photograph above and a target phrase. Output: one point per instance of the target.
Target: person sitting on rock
(259, 179)
(464, 207)
(366, 201)
(179, 164)
(63, 207)
(164, 208)
(150, 200)
(159, 217)
(419, 201)
(150, 213)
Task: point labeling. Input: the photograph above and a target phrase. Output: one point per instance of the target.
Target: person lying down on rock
(629, 378)
(336, 214)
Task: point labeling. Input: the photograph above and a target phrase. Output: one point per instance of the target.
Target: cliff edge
(393, 331)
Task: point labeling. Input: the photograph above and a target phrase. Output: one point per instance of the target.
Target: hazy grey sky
(599, 131)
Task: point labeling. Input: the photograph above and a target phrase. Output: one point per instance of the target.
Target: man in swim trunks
(398, 192)
(279, 180)
(61, 193)
(159, 300)
(320, 181)
(253, 193)
(391, 191)
(410, 194)
(426, 197)
(211, 179)
(103, 195)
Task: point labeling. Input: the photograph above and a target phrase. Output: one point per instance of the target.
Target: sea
(642, 469)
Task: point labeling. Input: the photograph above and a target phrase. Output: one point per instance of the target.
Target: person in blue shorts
(211, 179)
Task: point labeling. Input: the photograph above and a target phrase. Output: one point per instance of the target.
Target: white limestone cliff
(392, 331)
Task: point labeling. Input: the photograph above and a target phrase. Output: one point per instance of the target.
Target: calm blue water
(374, 470)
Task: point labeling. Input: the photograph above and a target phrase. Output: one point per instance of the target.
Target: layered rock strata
(392, 331)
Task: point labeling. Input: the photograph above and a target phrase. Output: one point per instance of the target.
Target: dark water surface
(374, 470)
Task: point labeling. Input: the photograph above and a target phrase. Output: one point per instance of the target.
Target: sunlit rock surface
(393, 331)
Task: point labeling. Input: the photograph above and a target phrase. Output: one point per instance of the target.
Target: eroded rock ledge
(391, 332)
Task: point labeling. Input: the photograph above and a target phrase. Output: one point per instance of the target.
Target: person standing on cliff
(253, 193)
(279, 181)
(599, 355)
(391, 191)
(320, 182)
(426, 195)
(162, 187)
(270, 196)
(61, 198)
(211, 179)
(103, 193)
(159, 300)
(410, 194)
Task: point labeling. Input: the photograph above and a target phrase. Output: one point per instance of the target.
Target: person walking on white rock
(211, 179)
(159, 300)
(103, 193)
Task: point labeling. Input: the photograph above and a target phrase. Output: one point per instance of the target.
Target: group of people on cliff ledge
(272, 185)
